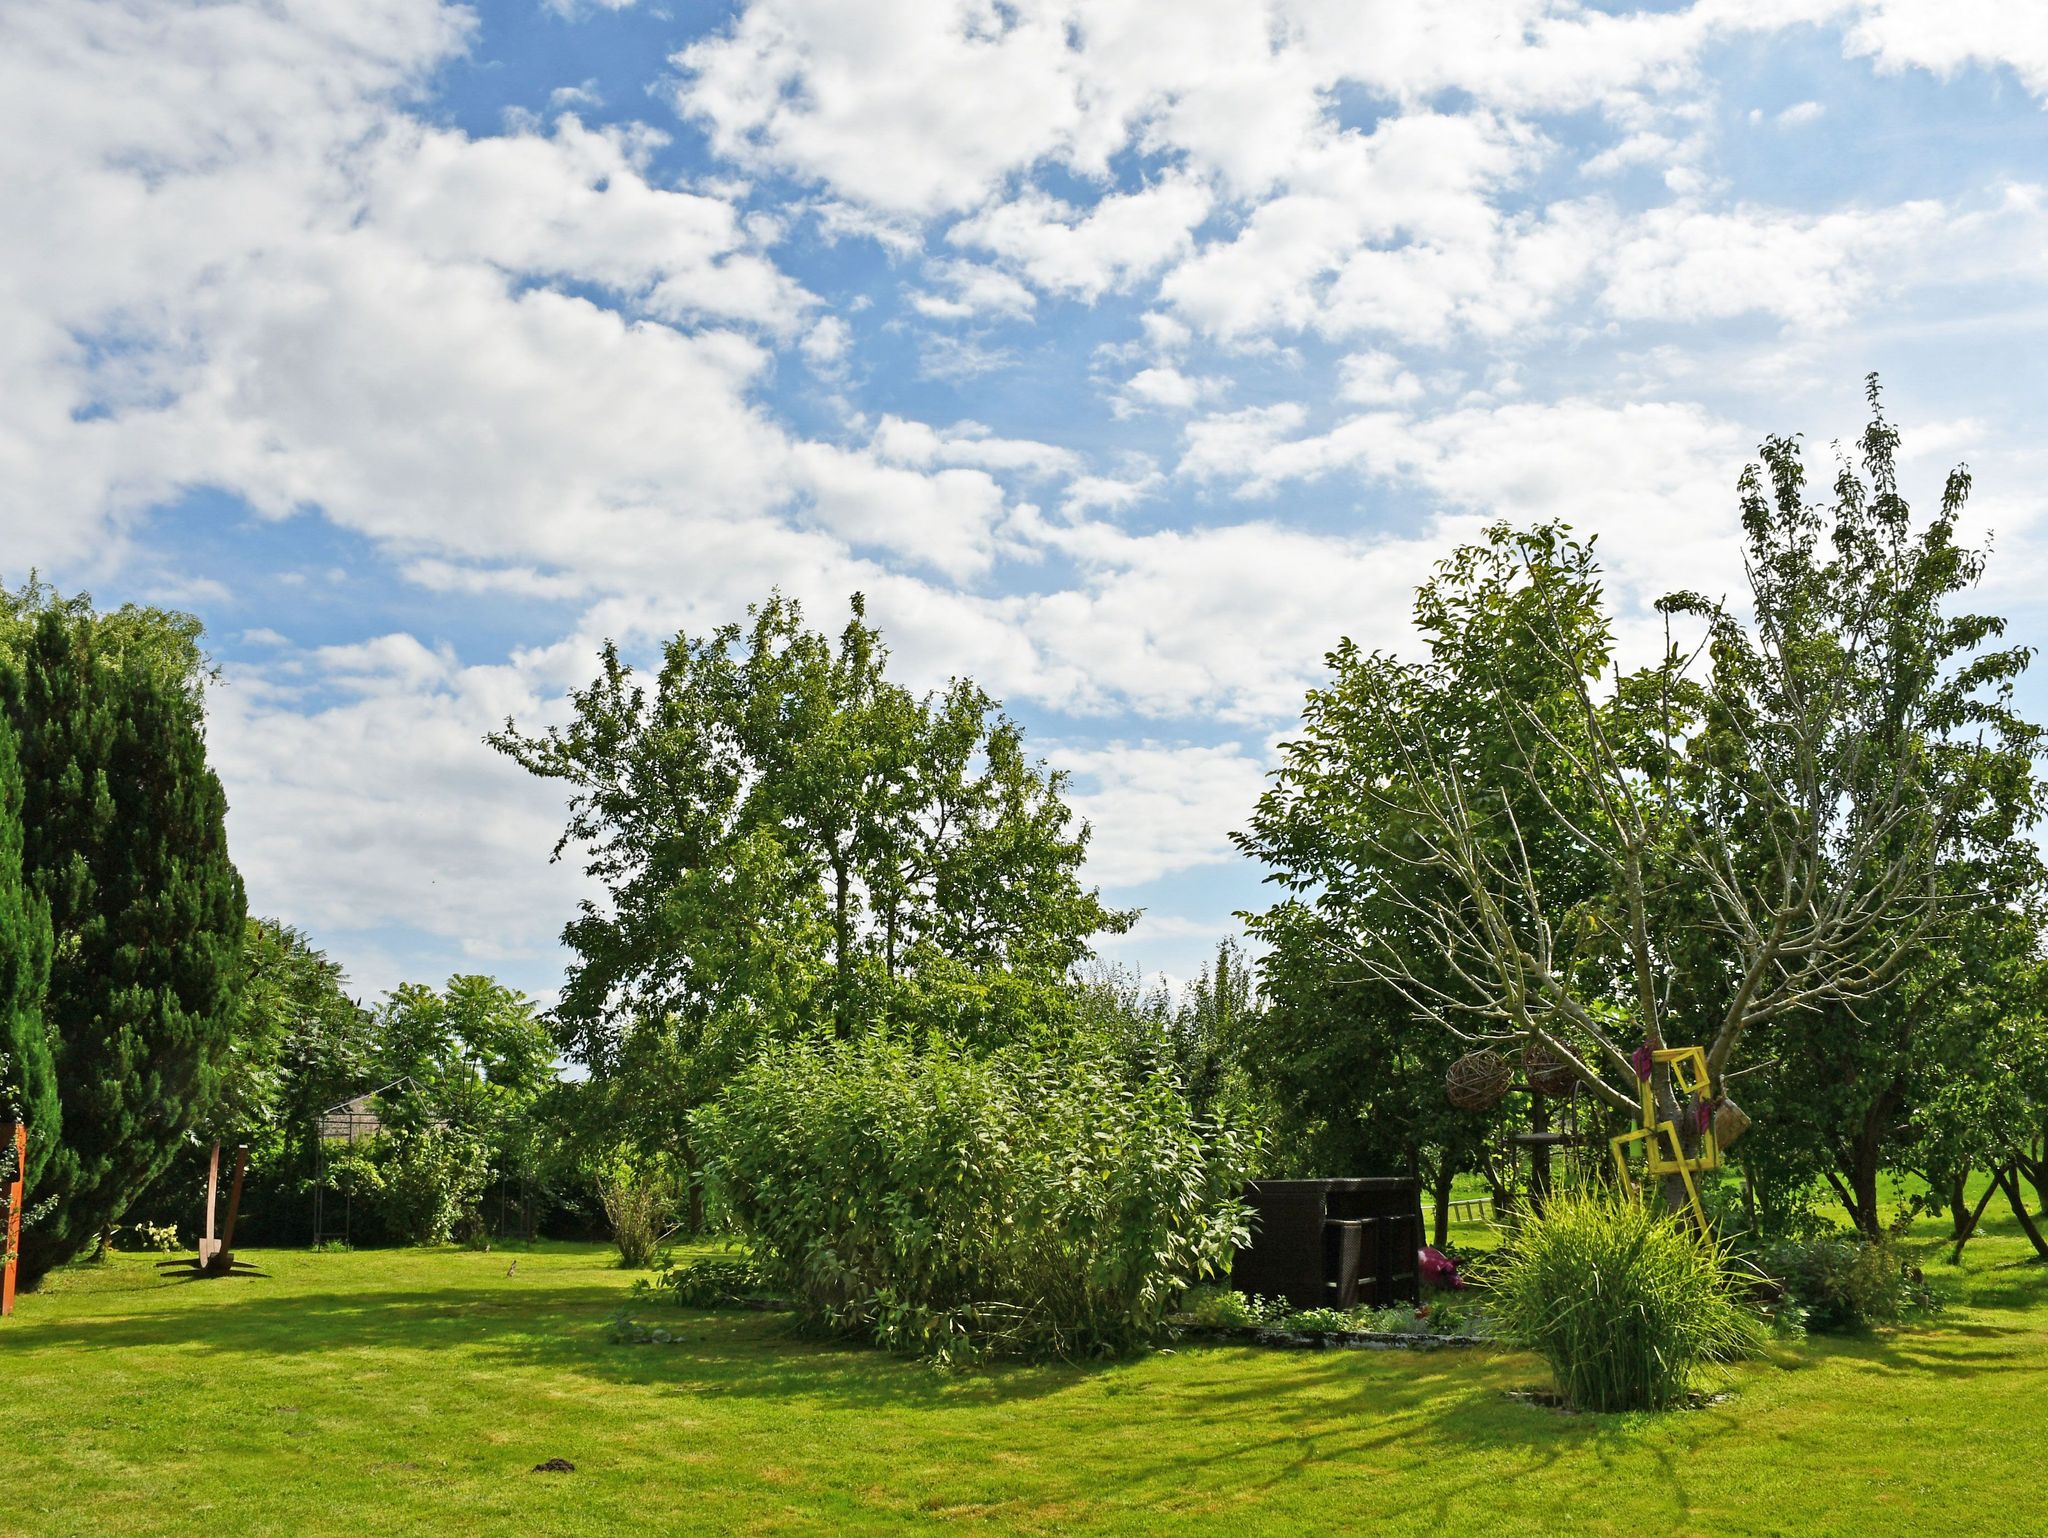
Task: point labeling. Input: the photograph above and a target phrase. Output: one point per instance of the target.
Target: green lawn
(386, 1393)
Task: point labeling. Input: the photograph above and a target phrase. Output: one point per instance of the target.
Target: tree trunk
(1539, 1154)
(1865, 1157)
(1855, 1185)
(1441, 1219)
(1966, 1224)
(842, 938)
(1866, 1196)
(1677, 1199)
(1501, 1190)
(2034, 1165)
(2016, 1194)
(695, 1182)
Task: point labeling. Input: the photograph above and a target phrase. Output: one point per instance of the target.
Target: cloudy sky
(1125, 353)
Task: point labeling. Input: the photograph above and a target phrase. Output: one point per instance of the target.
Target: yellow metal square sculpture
(1663, 1150)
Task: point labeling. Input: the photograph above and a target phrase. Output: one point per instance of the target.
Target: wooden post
(18, 1139)
(227, 1233)
(208, 1245)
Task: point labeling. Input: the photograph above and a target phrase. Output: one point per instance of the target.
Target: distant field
(410, 1392)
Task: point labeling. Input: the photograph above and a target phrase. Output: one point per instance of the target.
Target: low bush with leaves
(1223, 1308)
(1843, 1282)
(1319, 1321)
(1625, 1306)
(710, 1283)
(961, 1207)
(622, 1329)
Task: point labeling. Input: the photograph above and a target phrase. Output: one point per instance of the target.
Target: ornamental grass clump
(1625, 1306)
(960, 1207)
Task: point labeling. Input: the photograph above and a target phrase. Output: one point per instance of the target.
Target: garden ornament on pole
(217, 1256)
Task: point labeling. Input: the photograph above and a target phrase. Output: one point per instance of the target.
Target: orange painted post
(14, 1188)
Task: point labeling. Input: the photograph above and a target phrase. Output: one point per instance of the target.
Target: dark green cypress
(125, 838)
(28, 1073)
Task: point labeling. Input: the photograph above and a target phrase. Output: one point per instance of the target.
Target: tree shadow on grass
(2016, 1285)
(1958, 1351)
(557, 1330)
(1479, 1441)
(1439, 1422)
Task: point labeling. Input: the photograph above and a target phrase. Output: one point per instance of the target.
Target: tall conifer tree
(125, 838)
(28, 1075)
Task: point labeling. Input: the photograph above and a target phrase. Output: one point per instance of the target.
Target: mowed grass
(412, 1392)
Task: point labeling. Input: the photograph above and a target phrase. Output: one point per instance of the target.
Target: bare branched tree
(1598, 861)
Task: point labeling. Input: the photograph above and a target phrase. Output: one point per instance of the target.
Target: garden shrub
(423, 1183)
(639, 1208)
(1321, 1321)
(710, 1283)
(1845, 1282)
(1221, 1307)
(960, 1207)
(622, 1329)
(1624, 1305)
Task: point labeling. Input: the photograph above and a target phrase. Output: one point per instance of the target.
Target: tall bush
(1625, 1306)
(961, 1207)
(640, 1206)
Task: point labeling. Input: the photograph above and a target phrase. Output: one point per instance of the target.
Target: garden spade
(217, 1256)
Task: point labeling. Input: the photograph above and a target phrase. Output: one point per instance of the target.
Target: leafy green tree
(28, 1081)
(167, 642)
(125, 840)
(1980, 1087)
(1199, 1036)
(1355, 1055)
(1789, 834)
(1862, 676)
(471, 1063)
(1356, 1082)
(300, 1045)
(472, 1051)
(792, 842)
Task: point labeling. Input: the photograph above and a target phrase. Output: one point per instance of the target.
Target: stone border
(1331, 1340)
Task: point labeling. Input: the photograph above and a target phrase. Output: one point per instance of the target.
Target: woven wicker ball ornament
(1546, 1072)
(1479, 1081)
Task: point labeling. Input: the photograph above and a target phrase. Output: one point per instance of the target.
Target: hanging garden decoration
(1479, 1081)
(1730, 1122)
(1546, 1072)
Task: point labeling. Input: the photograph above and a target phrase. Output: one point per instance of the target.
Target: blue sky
(1125, 355)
